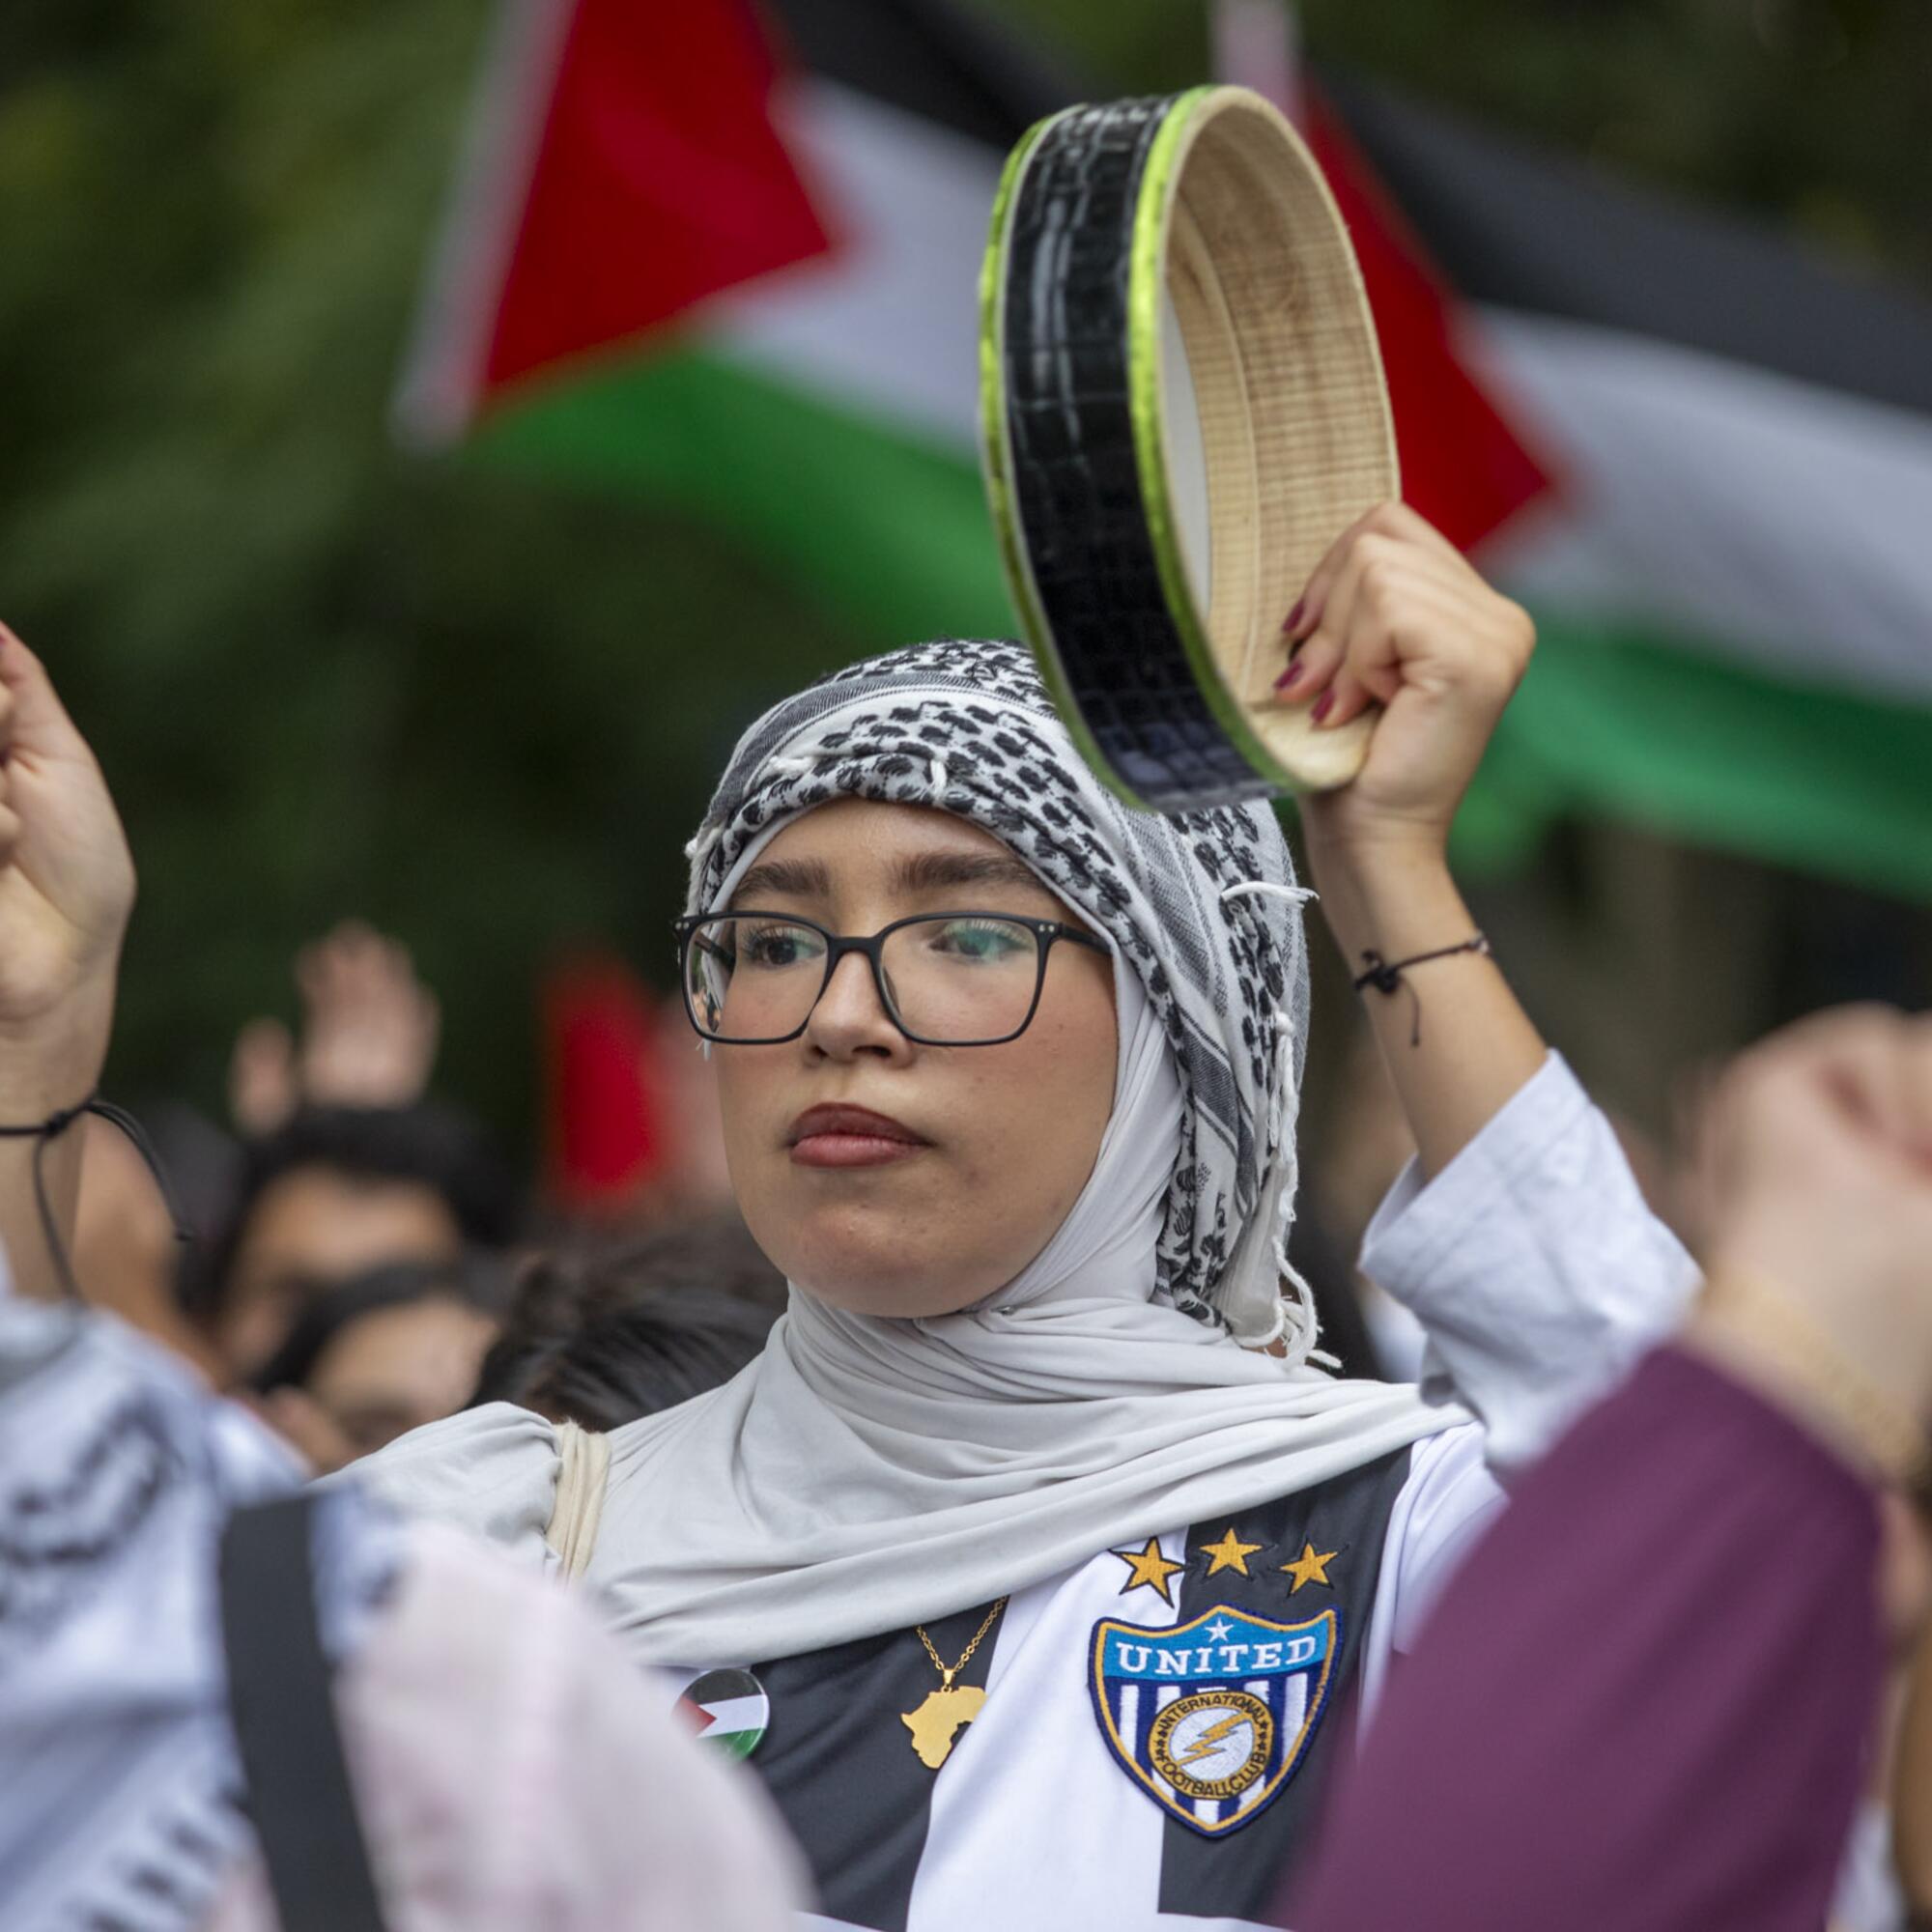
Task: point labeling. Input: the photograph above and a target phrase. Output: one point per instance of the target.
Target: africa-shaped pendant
(936, 1725)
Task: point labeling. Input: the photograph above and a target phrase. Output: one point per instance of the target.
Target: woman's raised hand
(1395, 615)
(66, 886)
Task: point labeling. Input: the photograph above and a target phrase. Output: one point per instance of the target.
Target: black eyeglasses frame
(872, 948)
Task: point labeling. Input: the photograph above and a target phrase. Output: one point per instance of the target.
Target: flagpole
(1257, 43)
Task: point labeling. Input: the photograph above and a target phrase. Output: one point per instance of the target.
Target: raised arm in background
(66, 886)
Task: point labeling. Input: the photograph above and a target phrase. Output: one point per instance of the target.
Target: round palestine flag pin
(729, 1709)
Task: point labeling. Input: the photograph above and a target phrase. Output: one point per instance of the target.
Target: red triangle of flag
(658, 180)
(1464, 466)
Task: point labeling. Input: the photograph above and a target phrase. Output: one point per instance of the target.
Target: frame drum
(1181, 408)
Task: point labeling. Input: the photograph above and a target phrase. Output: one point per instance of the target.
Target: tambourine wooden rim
(1207, 198)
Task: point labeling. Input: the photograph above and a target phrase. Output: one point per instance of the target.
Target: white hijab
(868, 1473)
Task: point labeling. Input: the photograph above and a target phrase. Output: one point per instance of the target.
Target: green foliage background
(329, 677)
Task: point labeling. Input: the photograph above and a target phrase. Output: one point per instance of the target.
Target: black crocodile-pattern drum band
(1076, 488)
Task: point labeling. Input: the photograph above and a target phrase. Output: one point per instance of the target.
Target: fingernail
(1323, 704)
(1294, 616)
(1289, 675)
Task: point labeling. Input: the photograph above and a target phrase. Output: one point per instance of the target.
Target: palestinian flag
(725, 255)
(728, 1709)
(1733, 579)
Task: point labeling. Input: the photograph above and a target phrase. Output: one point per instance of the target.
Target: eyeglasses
(945, 979)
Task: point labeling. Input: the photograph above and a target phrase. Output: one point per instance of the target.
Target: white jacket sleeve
(1540, 1275)
(1534, 1264)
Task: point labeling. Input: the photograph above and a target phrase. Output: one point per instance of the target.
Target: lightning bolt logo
(1215, 1735)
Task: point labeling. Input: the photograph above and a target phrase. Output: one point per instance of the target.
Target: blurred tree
(1809, 112)
(324, 677)
(329, 678)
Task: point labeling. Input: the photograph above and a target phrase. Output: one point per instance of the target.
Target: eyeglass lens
(958, 979)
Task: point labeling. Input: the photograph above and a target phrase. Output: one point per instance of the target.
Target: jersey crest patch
(1212, 1717)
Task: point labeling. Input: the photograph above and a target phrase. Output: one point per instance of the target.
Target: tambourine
(1181, 408)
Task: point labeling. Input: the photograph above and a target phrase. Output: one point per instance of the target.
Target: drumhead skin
(1203, 210)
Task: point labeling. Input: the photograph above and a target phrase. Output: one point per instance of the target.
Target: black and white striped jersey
(1157, 1727)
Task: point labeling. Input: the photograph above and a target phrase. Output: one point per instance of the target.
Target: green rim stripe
(995, 447)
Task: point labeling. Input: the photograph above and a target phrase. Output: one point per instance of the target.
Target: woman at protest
(1036, 1560)
(1050, 1550)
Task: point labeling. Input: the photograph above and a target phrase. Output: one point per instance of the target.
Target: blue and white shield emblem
(1213, 1716)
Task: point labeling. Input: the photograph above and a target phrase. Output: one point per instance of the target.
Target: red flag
(605, 1138)
(1464, 465)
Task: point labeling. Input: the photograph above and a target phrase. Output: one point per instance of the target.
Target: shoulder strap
(583, 1467)
(284, 1716)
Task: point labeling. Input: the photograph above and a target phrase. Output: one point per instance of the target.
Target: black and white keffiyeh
(866, 1473)
(1203, 909)
(117, 1472)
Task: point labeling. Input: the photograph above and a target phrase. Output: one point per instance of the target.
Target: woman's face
(994, 1143)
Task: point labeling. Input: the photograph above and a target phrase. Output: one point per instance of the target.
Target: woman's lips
(850, 1137)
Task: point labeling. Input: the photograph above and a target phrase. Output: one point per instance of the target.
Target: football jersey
(1158, 1724)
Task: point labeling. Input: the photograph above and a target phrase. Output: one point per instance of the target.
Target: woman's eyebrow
(785, 878)
(935, 872)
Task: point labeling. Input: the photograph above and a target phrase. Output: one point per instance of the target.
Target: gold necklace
(937, 1722)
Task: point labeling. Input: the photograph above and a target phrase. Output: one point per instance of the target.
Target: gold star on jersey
(1230, 1554)
(1149, 1566)
(1310, 1567)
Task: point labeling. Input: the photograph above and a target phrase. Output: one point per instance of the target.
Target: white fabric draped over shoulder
(118, 1469)
(489, 1471)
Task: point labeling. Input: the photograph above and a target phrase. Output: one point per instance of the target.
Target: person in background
(1667, 1723)
(603, 1337)
(506, 1769)
(381, 1354)
(334, 1192)
(367, 1044)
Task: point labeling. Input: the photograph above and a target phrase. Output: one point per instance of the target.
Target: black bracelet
(46, 1131)
(1385, 974)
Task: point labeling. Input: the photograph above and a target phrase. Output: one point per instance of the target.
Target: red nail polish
(1294, 616)
(1323, 704)
(1289, 675)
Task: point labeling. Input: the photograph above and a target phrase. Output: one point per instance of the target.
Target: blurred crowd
(219, 1682)
(354, 1257)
